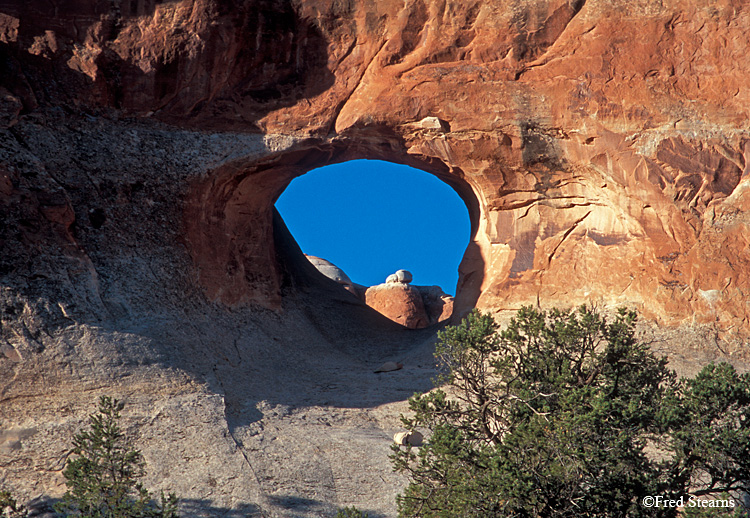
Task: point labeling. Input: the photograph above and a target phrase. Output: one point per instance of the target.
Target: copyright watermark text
(692, 501)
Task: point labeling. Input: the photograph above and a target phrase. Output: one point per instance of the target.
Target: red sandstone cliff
(598, 166)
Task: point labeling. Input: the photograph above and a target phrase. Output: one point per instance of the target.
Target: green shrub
(103, 477)
(566, 414)
(9, 508)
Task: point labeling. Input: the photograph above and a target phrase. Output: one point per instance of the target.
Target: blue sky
(371, 218)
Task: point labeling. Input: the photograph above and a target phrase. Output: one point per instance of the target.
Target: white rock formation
(401, 276)
(330, 270)
(413, 438)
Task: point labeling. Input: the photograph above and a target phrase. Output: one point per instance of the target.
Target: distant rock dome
(330, 270)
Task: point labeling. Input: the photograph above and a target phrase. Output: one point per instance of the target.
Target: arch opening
(390, 234)
(243, 252)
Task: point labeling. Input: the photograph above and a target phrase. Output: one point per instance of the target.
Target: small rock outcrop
(413, 438)
(399, 302)
(389, 367)
(414, 307)
(401, 276)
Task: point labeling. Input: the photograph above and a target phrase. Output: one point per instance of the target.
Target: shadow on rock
(295, 504)
(201, 508)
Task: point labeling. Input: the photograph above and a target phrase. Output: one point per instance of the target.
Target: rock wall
(143, 144)
(597, 167)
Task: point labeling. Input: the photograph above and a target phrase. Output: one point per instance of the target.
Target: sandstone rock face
(142, 147)
(438, 304)
(414, 307)
(577, 150)
(399, 302)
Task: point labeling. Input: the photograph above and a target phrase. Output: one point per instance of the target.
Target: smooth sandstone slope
(600, 146)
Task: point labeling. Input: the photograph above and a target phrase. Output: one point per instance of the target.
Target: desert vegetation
(560, 414)
(104, 471)
(568, 414)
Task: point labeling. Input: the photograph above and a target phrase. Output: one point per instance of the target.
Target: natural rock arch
(583, 158)
(230, 220)
(576, 224)
(597, 167)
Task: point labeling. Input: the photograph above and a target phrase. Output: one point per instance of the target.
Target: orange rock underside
(602, 146)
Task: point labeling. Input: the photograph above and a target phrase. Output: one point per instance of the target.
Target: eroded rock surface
(399, 302)
(578, 150)
(143, 144)
(334, 273)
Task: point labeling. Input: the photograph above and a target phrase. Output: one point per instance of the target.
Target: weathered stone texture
(143, 144)
(399, 302)
(579, 148)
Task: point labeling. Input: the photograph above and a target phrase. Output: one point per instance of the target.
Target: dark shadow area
(536, 35)
(197, 508)
(469, 282)
(292, 504)
(44, 507)
(357, 339)
(86, 12)
(298, 504)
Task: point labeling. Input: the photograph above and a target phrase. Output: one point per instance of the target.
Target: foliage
(103, 478)
(7, 500)
(567, 414)
(715, 512)
(8, 506)
(351, 512)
